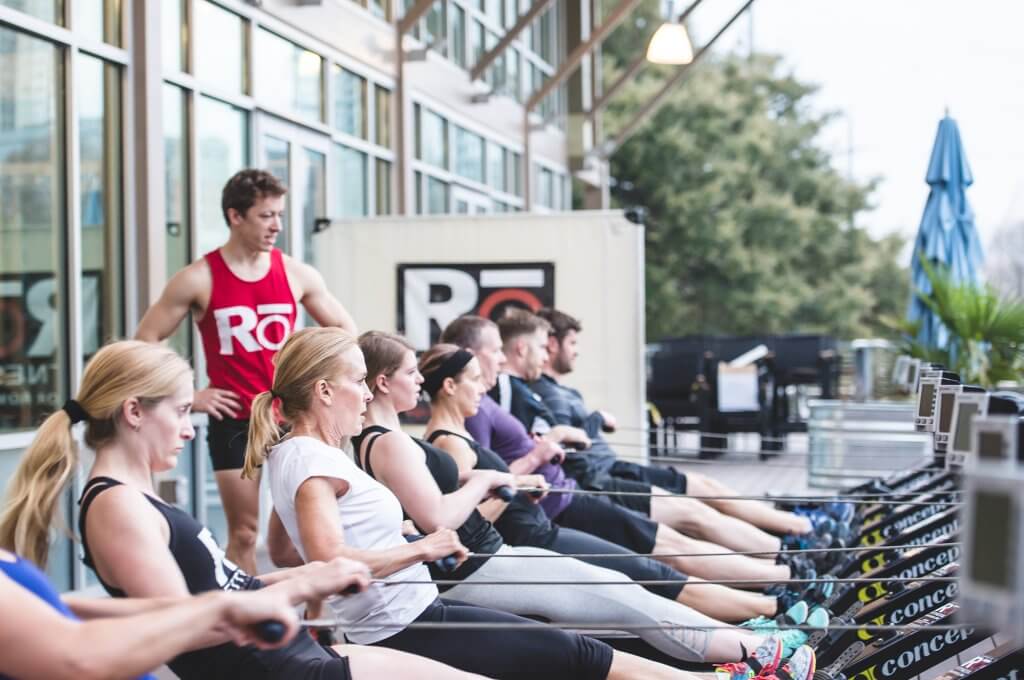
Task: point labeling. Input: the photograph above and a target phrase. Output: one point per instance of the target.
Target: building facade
(120, 121)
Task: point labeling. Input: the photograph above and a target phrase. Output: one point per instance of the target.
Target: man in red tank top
(244, 298)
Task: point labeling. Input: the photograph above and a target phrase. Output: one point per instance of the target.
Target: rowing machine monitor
(991, 577)
(927, 396)
(945, 406)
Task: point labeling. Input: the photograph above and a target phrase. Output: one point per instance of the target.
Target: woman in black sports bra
(426, 481)
(135, 399)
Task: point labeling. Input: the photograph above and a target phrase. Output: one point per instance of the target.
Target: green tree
(750, 229)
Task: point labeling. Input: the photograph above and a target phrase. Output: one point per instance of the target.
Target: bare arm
(321, 535)
(325, 309)
(282, 551)
(178, 297)
(54, 647)
(400, 466)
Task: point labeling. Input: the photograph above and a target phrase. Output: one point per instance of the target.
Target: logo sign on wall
(430, 296)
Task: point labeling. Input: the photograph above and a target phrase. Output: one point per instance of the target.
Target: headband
(75, 411)
(449, 368)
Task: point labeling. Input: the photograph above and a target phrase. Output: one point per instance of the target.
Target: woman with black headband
(426, 481)
(331, 508)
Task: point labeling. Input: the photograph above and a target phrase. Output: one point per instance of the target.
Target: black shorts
(300, 659)
(227, 440)
(664, 477)
(637, 567)
(598, 516)
(535, 652)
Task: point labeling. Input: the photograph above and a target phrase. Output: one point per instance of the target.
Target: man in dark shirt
(599, 468)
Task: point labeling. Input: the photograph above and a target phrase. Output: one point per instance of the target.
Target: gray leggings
(582, 602)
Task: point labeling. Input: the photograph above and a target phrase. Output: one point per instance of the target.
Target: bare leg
(758, 513)
(628, 667)
(697, 519)
(241, 499)
(727, 604)
(724, 565)
(380, 662)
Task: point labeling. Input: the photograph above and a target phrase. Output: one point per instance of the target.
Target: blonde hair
(384, 354)
(118, 372)
(309, 355)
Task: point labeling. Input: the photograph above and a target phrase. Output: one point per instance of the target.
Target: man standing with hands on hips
(244, 298)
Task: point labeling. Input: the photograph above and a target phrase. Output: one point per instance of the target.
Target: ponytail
(35, 489)
(263, 434)
(117, 372)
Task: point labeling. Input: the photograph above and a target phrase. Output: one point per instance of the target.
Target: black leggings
(638, 567)
(535, 652)
(599, 516)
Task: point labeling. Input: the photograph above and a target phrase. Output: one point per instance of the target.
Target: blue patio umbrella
(947, 235)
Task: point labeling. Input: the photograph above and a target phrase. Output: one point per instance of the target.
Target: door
(298, 157)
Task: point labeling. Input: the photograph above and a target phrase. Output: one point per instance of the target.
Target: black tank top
(523, 522)
(205, 568)
(476, 533)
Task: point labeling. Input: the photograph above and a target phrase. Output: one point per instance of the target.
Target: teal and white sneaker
(818, 618)
(765, 659)
(800, 666)
(792, 640)
(794, 616)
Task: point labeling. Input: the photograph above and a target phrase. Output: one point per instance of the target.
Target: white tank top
(371, 518)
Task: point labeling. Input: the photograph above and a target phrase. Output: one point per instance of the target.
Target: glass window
(176, 237)
(476, 41)
(493, 10)
(277, 154)
(99, 20)
(542, 38)
(434, 23)
(437, 196)
(457, 35)
(351, 178)
(99, 111)
(288, 76)
(469, 155)
(312, 173)
(383, 199)
(382, 122)
(47, 10)
(433, 138)
(349, 102)
(495, 166)
(172, 14)
(514, 178)
(545, 187)
(496, 72)
(33, 308)
(512, 86)
(220, 47)
(380, 8)
(223, 143)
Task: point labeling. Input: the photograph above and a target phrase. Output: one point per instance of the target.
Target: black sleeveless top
(205, 568)
(476, 533)
(523, 522)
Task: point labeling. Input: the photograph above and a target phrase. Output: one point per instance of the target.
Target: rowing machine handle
(270, 631)
(445, 564)
(505, 493)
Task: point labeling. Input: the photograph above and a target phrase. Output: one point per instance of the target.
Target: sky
(892, 68)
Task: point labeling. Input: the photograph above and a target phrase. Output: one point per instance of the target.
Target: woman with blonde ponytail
(135, 400)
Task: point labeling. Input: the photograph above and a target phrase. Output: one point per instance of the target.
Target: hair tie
(75, 411)
(449, 368)
(275, 395)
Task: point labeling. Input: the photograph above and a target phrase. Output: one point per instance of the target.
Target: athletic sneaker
(801, 666)
(792, 640)
(817, 618)
(794, 616)
(765, 659)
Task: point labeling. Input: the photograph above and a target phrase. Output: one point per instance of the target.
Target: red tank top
(245, 324)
